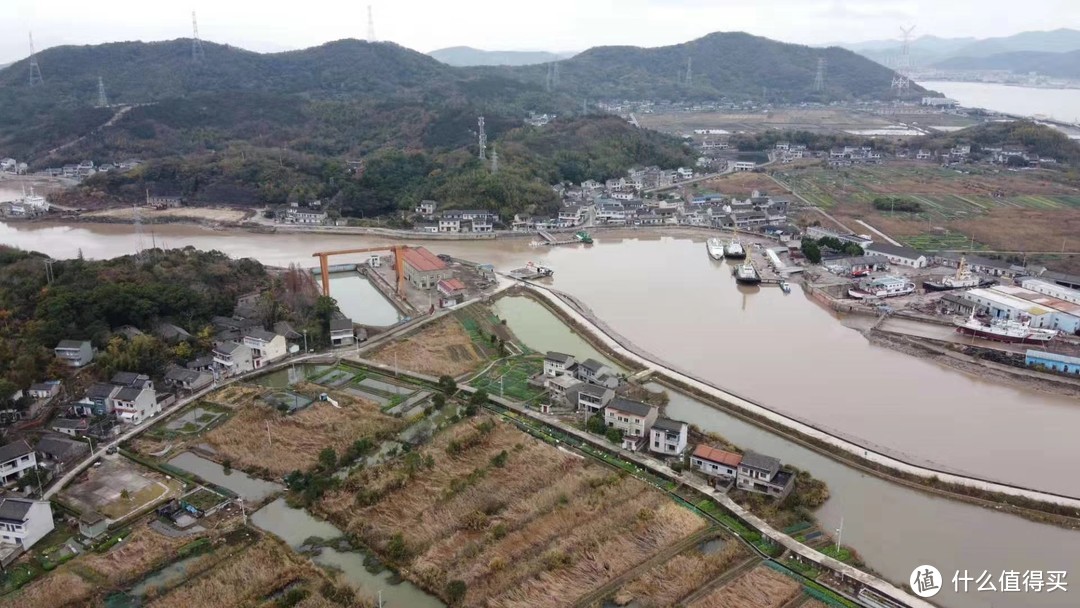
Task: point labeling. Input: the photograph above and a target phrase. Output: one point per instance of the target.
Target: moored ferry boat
(882, 287)
(746, 274)
(715, 248)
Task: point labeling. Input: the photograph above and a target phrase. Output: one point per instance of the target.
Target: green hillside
(731, 65)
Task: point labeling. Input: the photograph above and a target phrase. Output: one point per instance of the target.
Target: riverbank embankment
(1034, 504)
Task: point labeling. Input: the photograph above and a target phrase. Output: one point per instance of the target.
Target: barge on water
(531, 271)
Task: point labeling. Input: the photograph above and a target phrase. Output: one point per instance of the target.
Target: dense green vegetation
(813, 248)
(596, 147)
(1039, 139)
(897, 203)
(87, 300)
(731, 65)
(375, 126)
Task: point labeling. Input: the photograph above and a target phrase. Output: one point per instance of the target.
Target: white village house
(668, 437)
(633, 418)
(904, 256)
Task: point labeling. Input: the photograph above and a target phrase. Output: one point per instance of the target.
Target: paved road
(180, 404)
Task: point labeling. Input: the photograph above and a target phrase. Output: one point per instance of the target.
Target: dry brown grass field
(743, 184)
(666, 584)
(543, 529)
(296, 438)
(246, 579)
(443, 347)
(142, 551)
(759, 588)
(58, 589)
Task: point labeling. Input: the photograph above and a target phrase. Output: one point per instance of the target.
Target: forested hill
(731, 65)
(1056, 65)
(1039, 139)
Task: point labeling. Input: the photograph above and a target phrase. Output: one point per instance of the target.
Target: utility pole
(839, 534)
(35, 69)
(269, 438)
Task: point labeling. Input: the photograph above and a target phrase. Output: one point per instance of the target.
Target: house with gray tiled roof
(762, 474)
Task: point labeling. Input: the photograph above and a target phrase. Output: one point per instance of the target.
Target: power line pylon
(483, 139)
(819, 77)
(370, 26)
(197, 53)
(35, 70)
(102, 99)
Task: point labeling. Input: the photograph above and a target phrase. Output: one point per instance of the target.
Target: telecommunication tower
(197, 53)
(483, 139)
(35, 70)
(370, 25)
(102, 99)
(819, 77)
(902, 80)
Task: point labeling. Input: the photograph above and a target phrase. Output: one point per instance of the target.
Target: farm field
(514, 374)
(515, 521)
(672, 581)
(252, 578)
(740, 185)
(983, 209)
(443, 347)
(76, 582)
(762, 587)
(296, 438)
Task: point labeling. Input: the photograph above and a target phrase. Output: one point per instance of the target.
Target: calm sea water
(1059, 104)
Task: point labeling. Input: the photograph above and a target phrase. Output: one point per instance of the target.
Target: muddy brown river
(667, 296)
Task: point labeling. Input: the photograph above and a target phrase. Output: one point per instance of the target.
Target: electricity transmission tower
(370, 25)
(819, 78)
(35, 70)
(902, 80)
(689, 72)
(102, 99)
(494, 159)
(483, 139)
(197, 53)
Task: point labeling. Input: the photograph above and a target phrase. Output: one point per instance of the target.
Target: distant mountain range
(1055, 65)
(465, 56)
(929, 50)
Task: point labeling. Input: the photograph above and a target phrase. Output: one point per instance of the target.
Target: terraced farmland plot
(514, 374)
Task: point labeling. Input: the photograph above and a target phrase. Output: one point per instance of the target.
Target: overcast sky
(557, 25)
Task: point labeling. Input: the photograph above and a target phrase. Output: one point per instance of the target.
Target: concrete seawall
(854, 446)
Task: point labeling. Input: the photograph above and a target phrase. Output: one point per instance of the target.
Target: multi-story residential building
(24, 522)
(16, 458)
(762, 474)
(668, 437)
(75, 353)
(266, 346)
(233, 358)
(593, 398)
(715, 462)
(633, 418)
(558, 364)
(135, 404)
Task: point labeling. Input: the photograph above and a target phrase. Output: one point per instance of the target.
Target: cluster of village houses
(592, 388)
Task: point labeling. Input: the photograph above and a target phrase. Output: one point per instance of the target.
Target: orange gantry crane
(399, 264)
